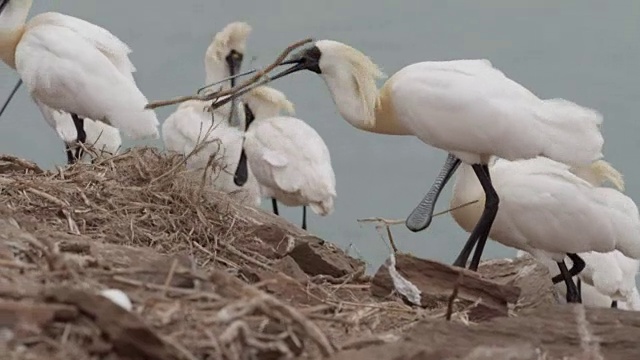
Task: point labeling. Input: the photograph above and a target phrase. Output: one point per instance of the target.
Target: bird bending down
(466, 107)
(75, 67)
(550, 212)
(608, 279)
(192, 123)
(288, 157)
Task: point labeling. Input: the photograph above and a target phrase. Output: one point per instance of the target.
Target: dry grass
(203, 285)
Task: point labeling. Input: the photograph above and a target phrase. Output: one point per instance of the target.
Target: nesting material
(209, 278)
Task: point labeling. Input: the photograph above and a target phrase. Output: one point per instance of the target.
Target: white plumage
(76, 67)
(465, 107)
(191, 124)
(548, 211)
(287, 156)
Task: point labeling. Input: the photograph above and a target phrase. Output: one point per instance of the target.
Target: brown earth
(212, 279)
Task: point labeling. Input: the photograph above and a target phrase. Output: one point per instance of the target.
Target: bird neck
(12, 20)
(366, 109)
(467, 188)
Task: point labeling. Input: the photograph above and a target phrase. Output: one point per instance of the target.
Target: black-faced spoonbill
(466, 107)
(288, 157)
(608, 279)
(549, 211)
(192, 123)
(76, 67)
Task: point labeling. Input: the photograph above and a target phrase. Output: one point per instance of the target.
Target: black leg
(304, 217)
(482, 228)
(70, 157)
(420, 218)
(614, 304)
(81, 137)
(576, 269)
(274, 204)
(573, 295)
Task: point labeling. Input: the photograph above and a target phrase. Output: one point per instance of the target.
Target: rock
(283, 286)
(429, 283)
(275, 237)
(526, 273)
(129, 335)
(25, 318)
(548, 332)
(556, 330)
(288, 266)
(321, 258)
(156, 266)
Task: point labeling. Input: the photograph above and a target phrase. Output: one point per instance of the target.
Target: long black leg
(614, 304)
(304, 217)
(78, 122)
(420, 218)
(70, 156)
(573, 295)
(482, 239)
(482, 228)
(578, 266)
(274, 204)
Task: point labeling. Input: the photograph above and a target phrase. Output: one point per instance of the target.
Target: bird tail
(599, 172)
(324, 207)
(136, 123)
(102, 137)
(573, 135)
(633, 300)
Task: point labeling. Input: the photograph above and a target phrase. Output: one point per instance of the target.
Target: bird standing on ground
(288, 157)
(550, 212)
(102, 138)
(192, 124)
(466, 107)
(73, 66)
(608, 279)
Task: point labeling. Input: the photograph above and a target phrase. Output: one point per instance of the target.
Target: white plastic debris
(118, 297)
(402, 285)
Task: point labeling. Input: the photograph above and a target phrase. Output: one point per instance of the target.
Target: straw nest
(204, 281)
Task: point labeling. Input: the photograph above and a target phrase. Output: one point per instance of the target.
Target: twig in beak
(235, 89)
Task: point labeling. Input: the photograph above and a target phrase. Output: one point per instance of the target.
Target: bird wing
(469, 107)
(293, 157)
(550, 213)
(67, 72)
(108, 44)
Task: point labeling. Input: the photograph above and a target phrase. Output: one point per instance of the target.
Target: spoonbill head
(225, 54)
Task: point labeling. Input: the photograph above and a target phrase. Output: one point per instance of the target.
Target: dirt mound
(208, 278)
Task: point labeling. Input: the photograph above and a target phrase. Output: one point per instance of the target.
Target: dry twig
(218, 94)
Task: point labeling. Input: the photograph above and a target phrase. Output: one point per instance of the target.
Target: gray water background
(587, 51)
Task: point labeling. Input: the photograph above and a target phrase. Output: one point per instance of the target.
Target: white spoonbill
(76, 67)
(192, 124)
(287, 156)
(549, 211)
(466, 107)
(608, 279)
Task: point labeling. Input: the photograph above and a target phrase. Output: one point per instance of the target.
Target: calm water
(587, 51)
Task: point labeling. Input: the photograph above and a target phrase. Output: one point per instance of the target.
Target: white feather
(73, 66)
